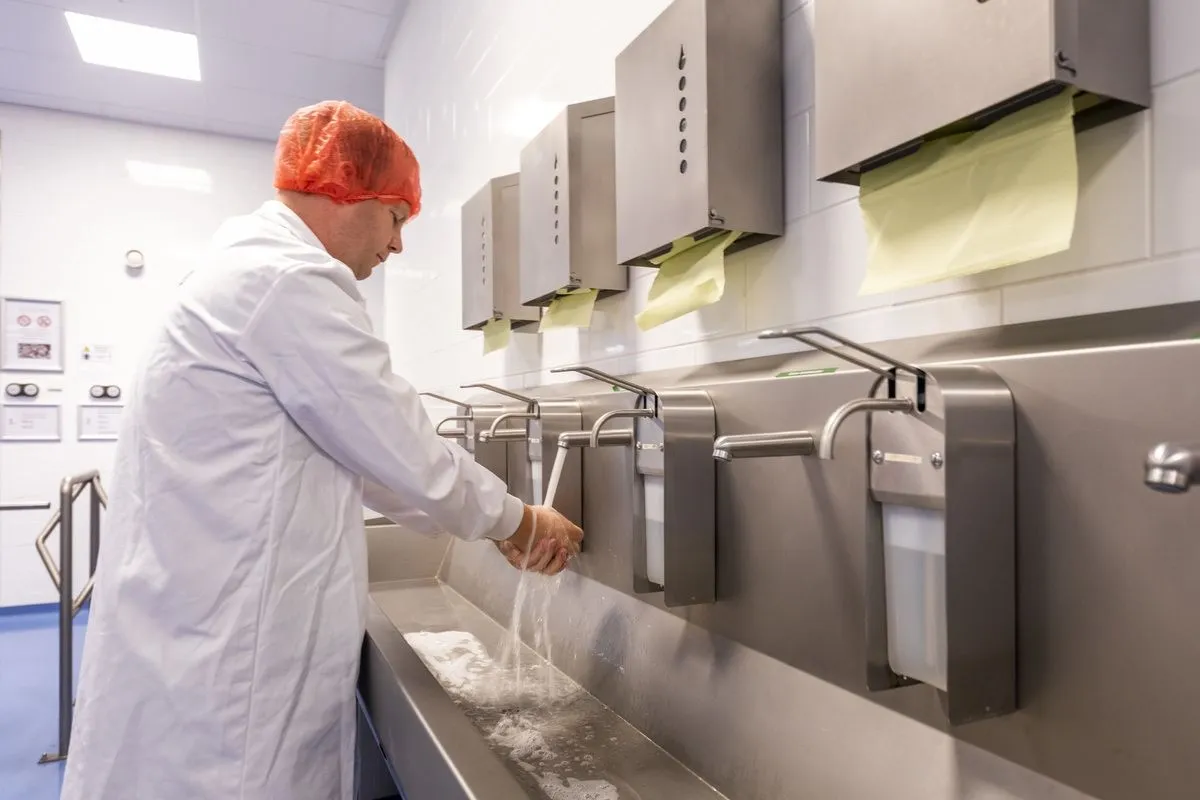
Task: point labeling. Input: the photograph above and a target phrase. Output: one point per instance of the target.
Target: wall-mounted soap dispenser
(891, 75)
(675, 532)
(941, 545)
(465, 426)
(544, 421)
(491, 231)
(569, 206)
(699, 128)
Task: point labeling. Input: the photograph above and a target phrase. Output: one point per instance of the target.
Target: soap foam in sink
(536, 729)
(519, 734)
(574, 789)
(458, 660)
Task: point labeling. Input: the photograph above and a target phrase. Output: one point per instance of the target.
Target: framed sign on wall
(99, 423)
(30, 423)
(32, 335)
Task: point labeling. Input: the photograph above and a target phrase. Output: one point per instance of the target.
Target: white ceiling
(259, 60)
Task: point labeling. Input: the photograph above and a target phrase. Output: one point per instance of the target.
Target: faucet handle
(807, 336)
(445, 399)
(611, 380)
(528, 401)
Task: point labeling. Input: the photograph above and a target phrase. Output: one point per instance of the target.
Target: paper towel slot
(941, 543)
(569, 206)
(674, 490)
(987, 60)
(490, 257)
(743, 242)
(699, 128)
(543, 420)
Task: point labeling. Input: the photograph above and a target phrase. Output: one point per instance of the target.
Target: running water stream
(539, 722)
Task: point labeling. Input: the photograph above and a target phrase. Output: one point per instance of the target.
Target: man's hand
(544, 542)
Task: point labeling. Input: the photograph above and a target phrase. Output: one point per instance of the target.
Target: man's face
(370, 233)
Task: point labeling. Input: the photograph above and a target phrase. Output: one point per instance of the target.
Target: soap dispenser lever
(645, 394)
(808, 336)
(449, 400)
(604, 377)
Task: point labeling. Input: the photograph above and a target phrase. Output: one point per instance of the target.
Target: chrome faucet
(1173, 468)
(829, 432)
(584, 439)
(495, 433)
(764, 445)
(453, 433)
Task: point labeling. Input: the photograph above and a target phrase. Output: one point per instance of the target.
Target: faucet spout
(829, 432)
(764, 445)
(594, 439)
(498, 421)
(1172, 468)
(453, 433)
(584, 439)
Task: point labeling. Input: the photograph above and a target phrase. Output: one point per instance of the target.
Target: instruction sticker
(902, 458)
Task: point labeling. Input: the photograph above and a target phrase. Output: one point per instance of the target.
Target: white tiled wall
(68, 212)
(469, 82)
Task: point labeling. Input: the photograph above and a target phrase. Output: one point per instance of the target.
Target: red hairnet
(344, 153)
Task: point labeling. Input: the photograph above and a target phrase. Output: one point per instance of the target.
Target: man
(223, 647)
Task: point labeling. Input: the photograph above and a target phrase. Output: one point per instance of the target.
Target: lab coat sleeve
(387, 504)
(311, 342)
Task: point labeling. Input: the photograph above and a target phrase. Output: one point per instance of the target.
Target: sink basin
(455, 721)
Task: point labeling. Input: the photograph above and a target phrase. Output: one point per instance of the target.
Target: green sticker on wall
(800, 373)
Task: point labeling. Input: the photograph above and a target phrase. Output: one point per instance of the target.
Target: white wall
(469, 82)
(68, 212)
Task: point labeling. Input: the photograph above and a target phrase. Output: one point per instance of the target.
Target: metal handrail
(62, 575)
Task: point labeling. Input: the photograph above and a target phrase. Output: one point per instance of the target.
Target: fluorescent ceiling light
(109, 43)
(169, 176)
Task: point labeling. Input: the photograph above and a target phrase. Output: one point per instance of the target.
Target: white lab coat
(227, 623)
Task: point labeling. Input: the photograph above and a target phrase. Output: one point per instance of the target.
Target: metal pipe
(594, 439)
(829, 432)
(68, 603)
(764, 445)
(43, 550)
(584, 439)
(66, 614)
(24, 506)
(1172, 468)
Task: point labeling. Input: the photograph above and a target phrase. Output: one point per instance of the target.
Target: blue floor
(29, 701)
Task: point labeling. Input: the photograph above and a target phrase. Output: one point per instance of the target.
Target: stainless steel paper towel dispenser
(569, 206)
(700, 128)
(490, 257)
(891, 75)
